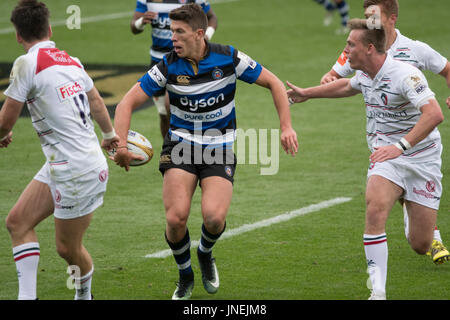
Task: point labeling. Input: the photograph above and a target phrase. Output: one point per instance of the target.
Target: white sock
(375, 247)
(406, 221)
(437, 235)
(26, 257)
(84, 291)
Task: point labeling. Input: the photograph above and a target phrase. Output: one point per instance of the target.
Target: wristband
(405, 143)
(397, 144)
(109, 135)
(139, 24)
(209, 32)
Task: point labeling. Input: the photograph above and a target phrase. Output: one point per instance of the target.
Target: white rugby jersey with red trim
(54, 85)
(392, 101)
(414, 52)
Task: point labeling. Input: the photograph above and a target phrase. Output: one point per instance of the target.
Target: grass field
(317, 256)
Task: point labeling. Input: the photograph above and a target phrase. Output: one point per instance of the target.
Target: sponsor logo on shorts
(103, 175)
(57, 196)
(431, 188)
(229, 171)
(165, 158)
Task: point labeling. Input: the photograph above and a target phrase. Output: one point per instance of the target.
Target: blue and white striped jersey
(201, 96)
(161, 34)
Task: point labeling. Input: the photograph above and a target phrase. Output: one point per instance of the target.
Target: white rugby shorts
(76, 197)
(421, 182)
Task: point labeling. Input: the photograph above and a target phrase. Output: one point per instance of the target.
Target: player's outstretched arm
(9, 114)
(101, 116)
(337, 89)
(330, 76)
(288, 135)
(134, 98)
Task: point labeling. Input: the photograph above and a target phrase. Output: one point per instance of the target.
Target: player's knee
(214, 223)
(175, 220)
(66, 251)
(13, 223)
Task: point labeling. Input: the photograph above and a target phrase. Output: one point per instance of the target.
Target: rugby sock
(26, 257)
(329, 6)
(207, 242)
(376, 249)
(182, 254)
(343, 9)
(84, 290)
(406, 221)
(437, 234)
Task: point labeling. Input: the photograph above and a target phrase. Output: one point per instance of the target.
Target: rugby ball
(139, 145)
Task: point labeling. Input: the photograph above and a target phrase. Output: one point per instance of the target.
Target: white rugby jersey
(414, 52)
(54, 85)
(392, 103)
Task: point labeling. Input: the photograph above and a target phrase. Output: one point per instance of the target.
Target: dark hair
(192, 14)
(30, 18)
(387, 6)
(375, 36)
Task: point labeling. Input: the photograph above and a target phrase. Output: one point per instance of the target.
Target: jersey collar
(42, 44)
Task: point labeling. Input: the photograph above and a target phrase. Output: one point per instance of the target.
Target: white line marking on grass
(263, 223)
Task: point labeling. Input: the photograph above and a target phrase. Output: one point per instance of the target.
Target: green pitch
(319, 255)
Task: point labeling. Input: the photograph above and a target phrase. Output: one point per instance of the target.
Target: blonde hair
(374, 36)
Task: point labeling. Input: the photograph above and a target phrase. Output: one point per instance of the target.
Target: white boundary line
(263, 223)
(101, 17)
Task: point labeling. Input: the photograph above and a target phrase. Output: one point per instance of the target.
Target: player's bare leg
(178, 189)
(422, 221)
(216, 198)
(381, 195)
(69, 244)
(34, 205)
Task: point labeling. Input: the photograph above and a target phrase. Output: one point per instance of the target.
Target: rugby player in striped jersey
(200, 78)
(416, 53)
(405, 144)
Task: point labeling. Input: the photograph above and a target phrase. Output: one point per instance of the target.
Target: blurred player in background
(343, 8)
(405, 144)
(156, 13)
(413, 52)
(200, 78)
(61, 98)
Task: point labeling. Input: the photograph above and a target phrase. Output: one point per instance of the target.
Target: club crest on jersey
(217, 74)
(68, 90)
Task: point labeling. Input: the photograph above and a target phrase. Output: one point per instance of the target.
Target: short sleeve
(342, 66)
(247, 69)
(141, 6)
(430, 58)
(154, 80)
(415, 88)
(20, 80)
(355, 83)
